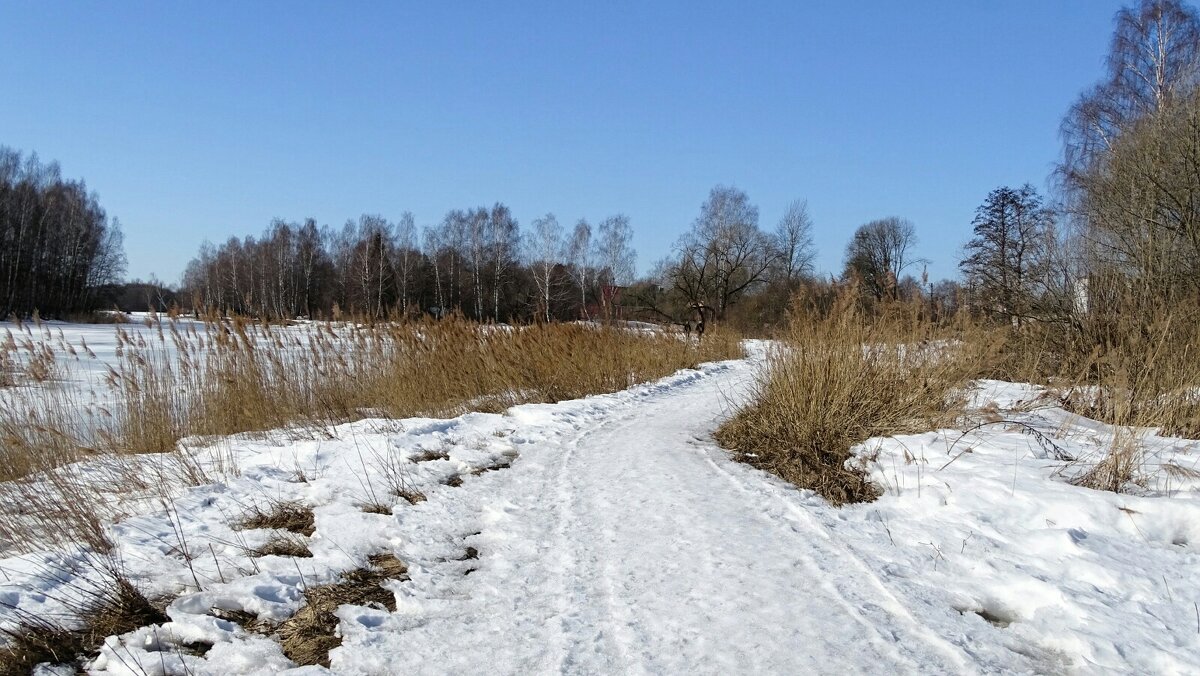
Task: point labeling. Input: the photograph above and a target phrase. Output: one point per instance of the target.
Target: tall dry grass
(1144, 375)
(1149, 378)
(243, 377)
(1133, 362)
(838, 379)
(1135, 365)
(178, 380)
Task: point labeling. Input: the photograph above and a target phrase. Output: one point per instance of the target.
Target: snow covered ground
(611, 535)
(85, 352)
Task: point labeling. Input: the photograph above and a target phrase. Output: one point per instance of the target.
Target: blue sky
(198, 121)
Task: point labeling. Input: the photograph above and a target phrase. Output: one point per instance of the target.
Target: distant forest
(479, 263)
(61, 257)
(57, 245)
(476, 262)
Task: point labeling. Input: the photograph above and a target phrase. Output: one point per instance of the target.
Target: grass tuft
(291, 516)
(284, 544)
(115, 609)
(309, 635)
(838, 380)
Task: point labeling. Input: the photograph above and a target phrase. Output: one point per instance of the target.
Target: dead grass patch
(411, 495)
(284, 544)
(244, 619)
(294, 517)
(114, 609)
(838, 380)
(309, 635)
(503, 462)
(431, 455)
(1120, 466)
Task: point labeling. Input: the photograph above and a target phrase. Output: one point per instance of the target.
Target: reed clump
(839, 378)
(171, 380)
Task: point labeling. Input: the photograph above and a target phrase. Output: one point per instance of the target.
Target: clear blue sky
(202, 120)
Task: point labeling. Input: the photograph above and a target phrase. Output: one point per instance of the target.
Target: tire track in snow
(624, 442)
(615, 545)
(888, 609)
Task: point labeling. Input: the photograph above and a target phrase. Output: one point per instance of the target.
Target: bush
(838, 380)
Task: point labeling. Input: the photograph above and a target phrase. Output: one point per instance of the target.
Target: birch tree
(543, 253)
(580, 257)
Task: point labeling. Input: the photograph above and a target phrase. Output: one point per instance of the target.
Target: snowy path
(610, 535)
(622, 541)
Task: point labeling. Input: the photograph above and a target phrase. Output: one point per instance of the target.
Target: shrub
(840, 379)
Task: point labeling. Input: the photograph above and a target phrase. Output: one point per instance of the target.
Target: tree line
(481, 264)
(57, 245)
(476, 262)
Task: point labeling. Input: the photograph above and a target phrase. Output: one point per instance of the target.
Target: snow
(71, 341)
(614, 536)
(1089, 579)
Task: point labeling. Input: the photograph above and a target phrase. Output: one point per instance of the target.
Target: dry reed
(840, 379)
(178, 380)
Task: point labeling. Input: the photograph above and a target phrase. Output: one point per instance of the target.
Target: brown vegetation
(224, 378)
(290, 516)
(839, 379)
(851, 368)
(311, 633)
(114, 609)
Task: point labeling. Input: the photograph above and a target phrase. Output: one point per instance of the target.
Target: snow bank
(988, 525)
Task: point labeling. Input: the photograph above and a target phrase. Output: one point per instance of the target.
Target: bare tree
(580, 259)
(794, 243)
(544, 251)
(1142, 205)
(614, 249)
(1129, 162)
(477, 229)
(433, 248)
(1154, 59)
(878, 254)
(724, 254)
(453, 237)
(504, 244)
(406, 260)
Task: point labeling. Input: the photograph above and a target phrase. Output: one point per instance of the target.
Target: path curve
(623, 541)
